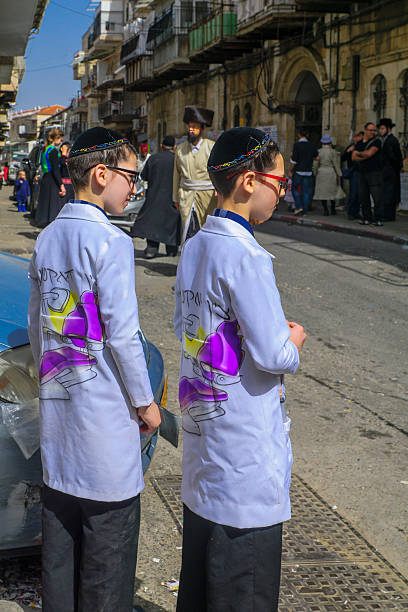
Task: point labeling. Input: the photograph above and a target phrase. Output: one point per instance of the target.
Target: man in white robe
(192, 188)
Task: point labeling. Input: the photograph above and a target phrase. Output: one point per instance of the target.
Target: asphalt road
(348, 401)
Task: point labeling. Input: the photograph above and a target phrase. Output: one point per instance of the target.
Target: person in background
(301, 171)
(66, 179)
(158, 221)
(351, 173)
(392, 165)
(1, 176)
(22, 191)
(5, 173)
(328, 175)
(193, 192)
(143, 156)
(367, 153)
(51, 187)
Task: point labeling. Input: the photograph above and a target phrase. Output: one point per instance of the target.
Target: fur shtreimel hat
(96, 139)
(198, 114)
(387, 122)
(235, 146)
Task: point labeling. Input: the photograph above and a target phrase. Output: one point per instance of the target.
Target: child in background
(22, 191)
(236, 347)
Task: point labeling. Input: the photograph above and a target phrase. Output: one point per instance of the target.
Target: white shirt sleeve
(256, 303)
(34, 309)
(115, 276)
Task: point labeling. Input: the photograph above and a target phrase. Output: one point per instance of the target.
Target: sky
(59, 37)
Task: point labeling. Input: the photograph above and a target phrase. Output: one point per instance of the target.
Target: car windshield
(18, 157)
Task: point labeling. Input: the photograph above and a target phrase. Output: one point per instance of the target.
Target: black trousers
(225, 569)
(370, 183)
(153, 244)
(89, 553)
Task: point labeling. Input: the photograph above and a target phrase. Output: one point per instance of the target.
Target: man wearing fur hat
(392, 166)
(192, 188)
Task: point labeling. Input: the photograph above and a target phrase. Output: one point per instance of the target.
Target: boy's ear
(100, 174)
(248, 182)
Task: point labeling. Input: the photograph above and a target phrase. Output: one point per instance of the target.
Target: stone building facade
(282, 64)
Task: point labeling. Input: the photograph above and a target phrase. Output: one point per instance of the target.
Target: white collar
(79, 210)
(228, 227)
(196, 147)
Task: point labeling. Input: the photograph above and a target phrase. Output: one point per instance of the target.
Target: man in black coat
(158, 220)
(392, 166)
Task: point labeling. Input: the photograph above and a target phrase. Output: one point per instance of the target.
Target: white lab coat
(236, 450)
(83, 326)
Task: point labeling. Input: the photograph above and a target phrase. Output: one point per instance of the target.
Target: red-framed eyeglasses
(283, 180)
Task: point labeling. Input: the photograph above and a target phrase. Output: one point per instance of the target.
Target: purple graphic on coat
(216, 364)
(75, 322)
(221, 352)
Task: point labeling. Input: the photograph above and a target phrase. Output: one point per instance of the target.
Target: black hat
(169, 141)
(96, 139)
(235, 146)
(198, 114)
(387, 122)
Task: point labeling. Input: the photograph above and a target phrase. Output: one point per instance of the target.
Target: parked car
(20, 462)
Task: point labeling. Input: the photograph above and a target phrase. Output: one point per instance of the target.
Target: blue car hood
(14, 295)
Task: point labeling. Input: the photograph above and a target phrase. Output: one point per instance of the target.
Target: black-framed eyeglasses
(134, 175)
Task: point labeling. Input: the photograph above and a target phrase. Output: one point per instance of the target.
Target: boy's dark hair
(77, 166)
(265, 160)
(368, 123)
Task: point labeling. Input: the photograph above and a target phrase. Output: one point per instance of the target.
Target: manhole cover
(326, 565)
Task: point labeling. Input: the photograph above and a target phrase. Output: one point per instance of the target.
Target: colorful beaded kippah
(98, 147)
(241, 158)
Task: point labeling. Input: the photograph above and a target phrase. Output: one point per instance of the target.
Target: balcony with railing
(79, 104)
(117, 110)
(168, 38)
(107, 29)
(214, 38)
(140, 75)
(78, 65)
(279, 19)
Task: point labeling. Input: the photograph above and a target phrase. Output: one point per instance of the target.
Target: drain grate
(326, 564)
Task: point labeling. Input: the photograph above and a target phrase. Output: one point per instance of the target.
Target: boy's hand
(150, 415)
(297, 334)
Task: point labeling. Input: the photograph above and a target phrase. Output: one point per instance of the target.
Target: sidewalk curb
(345, 229)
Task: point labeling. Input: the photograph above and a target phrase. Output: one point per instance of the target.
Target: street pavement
(393, 231)
(348, 401)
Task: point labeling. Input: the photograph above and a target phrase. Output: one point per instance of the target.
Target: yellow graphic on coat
(58, 315)
(194, 344)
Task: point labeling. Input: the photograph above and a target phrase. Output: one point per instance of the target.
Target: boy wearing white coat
(95, 393)
(236, 347)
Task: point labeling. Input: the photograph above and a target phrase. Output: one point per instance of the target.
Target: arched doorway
(308, 102)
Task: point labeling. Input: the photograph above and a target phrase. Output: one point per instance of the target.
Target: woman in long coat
(328, 174)
(52, 187)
